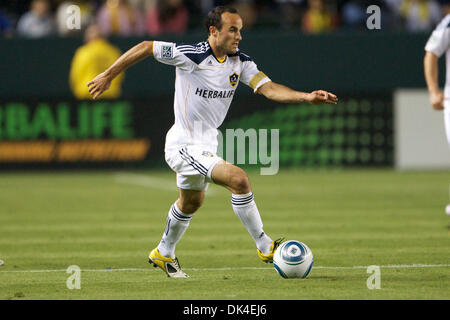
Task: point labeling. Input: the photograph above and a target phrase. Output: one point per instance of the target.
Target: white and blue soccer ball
(293, 259)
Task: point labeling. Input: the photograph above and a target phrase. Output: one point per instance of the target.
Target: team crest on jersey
(234, 78)
(207, 154)
(167, 52)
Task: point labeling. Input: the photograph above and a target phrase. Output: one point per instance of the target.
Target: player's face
(229, 36)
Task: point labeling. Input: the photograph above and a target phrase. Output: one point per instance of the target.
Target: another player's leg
(178, 219)
(447, 123)
(447, 132)
(236, 180)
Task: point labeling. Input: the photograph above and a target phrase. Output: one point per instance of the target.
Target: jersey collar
(212, 52)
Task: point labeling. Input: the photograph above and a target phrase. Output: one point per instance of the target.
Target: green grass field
(106, 223)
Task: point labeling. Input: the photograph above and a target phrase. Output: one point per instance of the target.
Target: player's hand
(99, 84)
(437, 100)
(321, 97)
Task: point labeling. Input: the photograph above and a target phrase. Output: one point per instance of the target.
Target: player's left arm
(281, 93)
(430, 63)
(437, 44)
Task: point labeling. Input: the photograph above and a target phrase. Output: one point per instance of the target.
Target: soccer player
(207, 74)
(437, 45)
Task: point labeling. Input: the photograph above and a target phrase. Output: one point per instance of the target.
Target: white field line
(399, 266)
(150, 182)
(145, 181)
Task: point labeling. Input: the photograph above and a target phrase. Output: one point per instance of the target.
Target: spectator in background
(140, 4)
(86, 11)
(206, 6)
(247, 11)
(37, 22)
(354, 14)
(416, 15)
(6, 28)
(91, 59)
(290, 13)
(167, 16)
(318, 18)
(117, 17)
(420, 15)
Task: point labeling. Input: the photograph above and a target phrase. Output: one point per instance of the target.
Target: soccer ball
(293, 259)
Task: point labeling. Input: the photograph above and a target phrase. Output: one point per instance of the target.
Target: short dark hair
(214, 17)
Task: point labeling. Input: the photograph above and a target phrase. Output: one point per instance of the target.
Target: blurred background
(383, 119)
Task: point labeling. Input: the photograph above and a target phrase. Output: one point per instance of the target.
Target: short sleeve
(251, 76)
(167, 53)
(439, 41)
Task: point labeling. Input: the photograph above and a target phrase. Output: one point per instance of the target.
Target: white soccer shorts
(193, 165)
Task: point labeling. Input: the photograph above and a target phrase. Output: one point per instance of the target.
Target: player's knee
(190, 206)
(240, 182)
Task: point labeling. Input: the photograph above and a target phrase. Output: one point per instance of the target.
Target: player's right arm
(430, 63)
(102, 82)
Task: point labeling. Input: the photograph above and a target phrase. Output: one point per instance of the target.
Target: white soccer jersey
(204, 89)
(439, 43)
